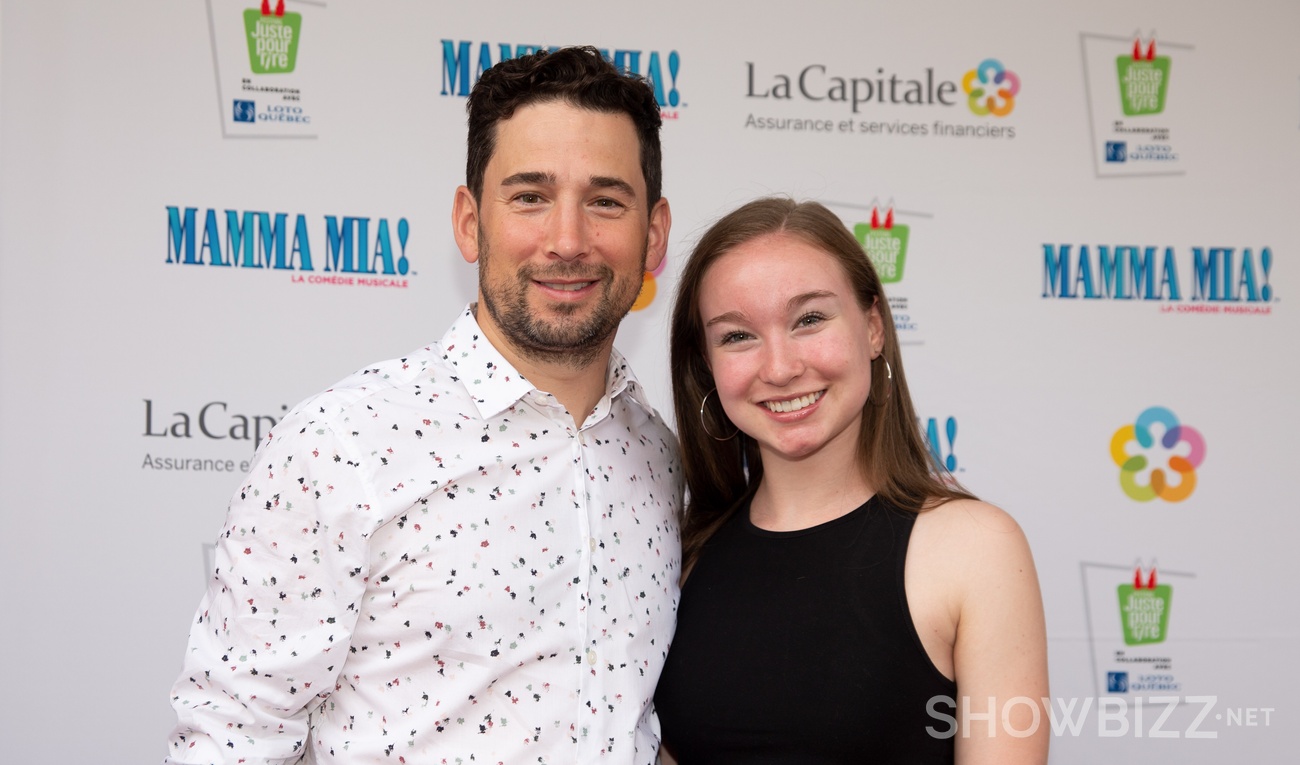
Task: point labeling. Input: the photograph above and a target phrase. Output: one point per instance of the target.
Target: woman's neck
(804, 493)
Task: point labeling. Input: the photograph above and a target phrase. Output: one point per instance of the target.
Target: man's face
(562, 234)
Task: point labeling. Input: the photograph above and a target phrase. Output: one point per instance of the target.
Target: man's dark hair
(579, 76)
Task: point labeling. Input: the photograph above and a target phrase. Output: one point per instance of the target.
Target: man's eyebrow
(541, 178)
(529, 178)
(608, 182)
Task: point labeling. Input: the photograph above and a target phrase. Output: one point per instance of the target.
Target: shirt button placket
(590, 690)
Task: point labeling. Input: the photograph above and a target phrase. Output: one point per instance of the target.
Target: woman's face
(789, 347)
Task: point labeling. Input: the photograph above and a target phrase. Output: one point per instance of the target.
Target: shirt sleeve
(273, 630)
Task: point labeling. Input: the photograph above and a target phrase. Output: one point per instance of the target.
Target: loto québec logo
(1151, 467)
(991, 89)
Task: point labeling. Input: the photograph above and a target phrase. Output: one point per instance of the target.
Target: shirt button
(593, 544)
(591, 656)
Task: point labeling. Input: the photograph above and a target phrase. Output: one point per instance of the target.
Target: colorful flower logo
(992, 88)
(1133, 466)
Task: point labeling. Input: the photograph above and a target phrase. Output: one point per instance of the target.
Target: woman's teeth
(793, 405)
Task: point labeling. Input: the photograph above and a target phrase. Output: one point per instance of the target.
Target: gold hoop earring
(705, 423)
(889, 378)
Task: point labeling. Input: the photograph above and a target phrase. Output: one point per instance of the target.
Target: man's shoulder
(423, 373)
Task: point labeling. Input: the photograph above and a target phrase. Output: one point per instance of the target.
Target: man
(470, 554)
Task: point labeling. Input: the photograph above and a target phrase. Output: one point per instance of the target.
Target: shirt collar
(619, 379)
(495, 384)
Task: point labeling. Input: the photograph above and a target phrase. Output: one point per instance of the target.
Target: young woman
(844, 602)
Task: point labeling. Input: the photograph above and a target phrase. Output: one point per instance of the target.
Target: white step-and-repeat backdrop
(1085, 214)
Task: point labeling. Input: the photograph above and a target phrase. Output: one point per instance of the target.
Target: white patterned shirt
(431, 563)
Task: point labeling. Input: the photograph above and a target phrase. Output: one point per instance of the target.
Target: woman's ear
(876, 329)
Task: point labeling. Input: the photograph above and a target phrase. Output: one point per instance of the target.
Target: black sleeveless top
(798, 647)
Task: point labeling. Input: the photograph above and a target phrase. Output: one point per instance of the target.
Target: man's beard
(569, 340)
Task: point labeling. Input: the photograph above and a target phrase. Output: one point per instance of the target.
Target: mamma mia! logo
(280, 241)
(941, 456)
(1213, 279)
(464, 62)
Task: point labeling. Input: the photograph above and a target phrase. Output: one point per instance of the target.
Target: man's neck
(577, 388)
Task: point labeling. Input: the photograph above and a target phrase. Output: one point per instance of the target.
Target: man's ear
(464, 224)
(661, 221)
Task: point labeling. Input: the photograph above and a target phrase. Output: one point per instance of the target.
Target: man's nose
(569, 232)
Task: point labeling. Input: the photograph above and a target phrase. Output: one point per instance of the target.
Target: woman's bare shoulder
(971, 541)
(969, 520)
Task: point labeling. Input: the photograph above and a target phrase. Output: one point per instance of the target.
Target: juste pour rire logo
(358, 250)
(464, 62)
(886, 241)
(1144, 609)
(1133, 112)
(1143, 80)
(272, 38)
(1143, 85)
(885, 244)
(1151, 468)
